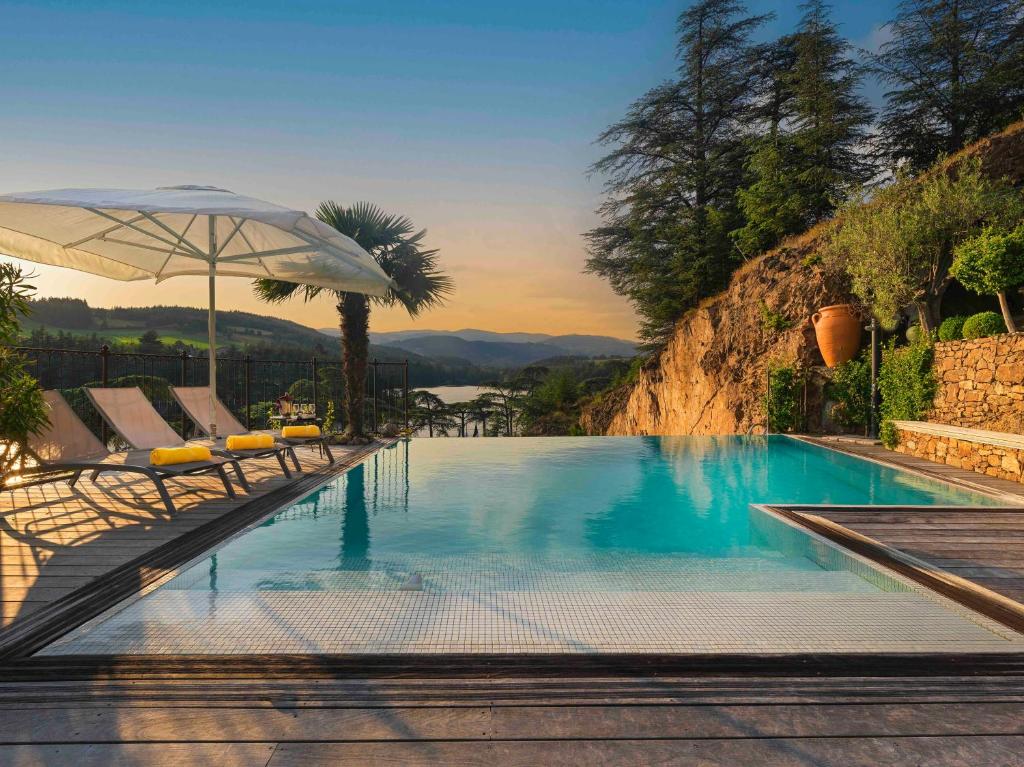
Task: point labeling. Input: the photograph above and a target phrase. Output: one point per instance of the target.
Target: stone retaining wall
(993, 460)
(981, 383)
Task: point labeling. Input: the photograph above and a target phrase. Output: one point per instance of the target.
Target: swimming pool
(551, 545)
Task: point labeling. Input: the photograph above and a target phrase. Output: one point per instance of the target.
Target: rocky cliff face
(711, 378)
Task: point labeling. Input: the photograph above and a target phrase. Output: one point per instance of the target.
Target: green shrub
(952, 328)
(992, 263)
(907, 384)
(983, 324)
(23, 410)
(914, 333)
(850, 388)
(782, 400)
(772, 320)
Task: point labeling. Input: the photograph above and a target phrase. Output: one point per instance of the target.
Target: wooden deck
(56, 543)
(726, 721)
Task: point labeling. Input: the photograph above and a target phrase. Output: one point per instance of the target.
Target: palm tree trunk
(1004, 305)
(354, 311)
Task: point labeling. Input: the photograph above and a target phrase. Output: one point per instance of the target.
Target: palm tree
(420, 284)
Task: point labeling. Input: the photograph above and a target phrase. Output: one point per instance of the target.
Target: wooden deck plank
(137, 724)
(983, 545)
(958, 751)
(55, 539)
(139, 754)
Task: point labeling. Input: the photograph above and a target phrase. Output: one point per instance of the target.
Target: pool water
(445, 544)
(566, 497)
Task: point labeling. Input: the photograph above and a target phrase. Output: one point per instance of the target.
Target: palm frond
(421, 283)
(394, 243)
(276, 291)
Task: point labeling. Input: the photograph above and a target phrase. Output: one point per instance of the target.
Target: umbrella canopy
(129, 234)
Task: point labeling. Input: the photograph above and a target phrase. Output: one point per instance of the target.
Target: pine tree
(673, 174)
(956, 71)
(811, 158)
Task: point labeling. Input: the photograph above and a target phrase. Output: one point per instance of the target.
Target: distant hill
(497, 354)
(455, 355)
(172, 323)
(485, 347)
(594, 346)
(467, 334)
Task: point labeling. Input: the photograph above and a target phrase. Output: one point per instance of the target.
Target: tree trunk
(926, 313)
(354, 311)
(1004, 306)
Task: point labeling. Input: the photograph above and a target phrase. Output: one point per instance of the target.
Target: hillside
(468, 334)
(172, 323)
(483, 347)
(710, 378)
(497, 354)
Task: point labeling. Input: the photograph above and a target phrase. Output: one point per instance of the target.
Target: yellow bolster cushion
(249, 441)
(301, 431)
(164, 456)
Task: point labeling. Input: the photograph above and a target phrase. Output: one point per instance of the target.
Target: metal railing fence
(248, 386)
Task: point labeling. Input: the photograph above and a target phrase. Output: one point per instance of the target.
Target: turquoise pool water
(568, 497)
(553, 545)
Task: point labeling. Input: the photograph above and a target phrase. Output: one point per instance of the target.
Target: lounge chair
(134, 419)
(67, 445)
(195, 401)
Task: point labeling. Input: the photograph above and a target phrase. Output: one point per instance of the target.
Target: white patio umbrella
(130, 234)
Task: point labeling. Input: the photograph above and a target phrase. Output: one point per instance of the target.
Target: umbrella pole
(211, 327)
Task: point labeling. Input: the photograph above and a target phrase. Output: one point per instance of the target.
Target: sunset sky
(477, 119)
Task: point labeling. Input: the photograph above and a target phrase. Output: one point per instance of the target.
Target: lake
(452, 394)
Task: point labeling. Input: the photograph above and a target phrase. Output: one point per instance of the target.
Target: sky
(477, 119)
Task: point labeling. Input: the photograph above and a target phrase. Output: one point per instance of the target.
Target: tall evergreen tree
(956, 71)
(676, 165)
(812, 155)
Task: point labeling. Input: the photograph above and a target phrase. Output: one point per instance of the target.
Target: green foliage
(907, 385)
(898, 248)
(914, 333)
(773, 321)
(983, 324)
(773, 205)
(810, 160)
(782, 402)
(955, 72)
(329, 416)
(301, 390)
(850, 388)
(992, 262)
(23, 410)
(952, 328)
(428, 411)
(676, 164)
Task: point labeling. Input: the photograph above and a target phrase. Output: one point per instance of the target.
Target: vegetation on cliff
(751, 142)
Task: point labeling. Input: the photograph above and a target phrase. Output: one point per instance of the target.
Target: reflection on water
(551, 500)
(355, 522)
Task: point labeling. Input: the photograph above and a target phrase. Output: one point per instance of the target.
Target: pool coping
(1014, 500)
(17, 662)
(964, 592)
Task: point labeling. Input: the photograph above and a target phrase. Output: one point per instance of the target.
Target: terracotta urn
(838, 331)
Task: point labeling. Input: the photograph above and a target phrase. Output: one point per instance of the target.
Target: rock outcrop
(711, 377)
